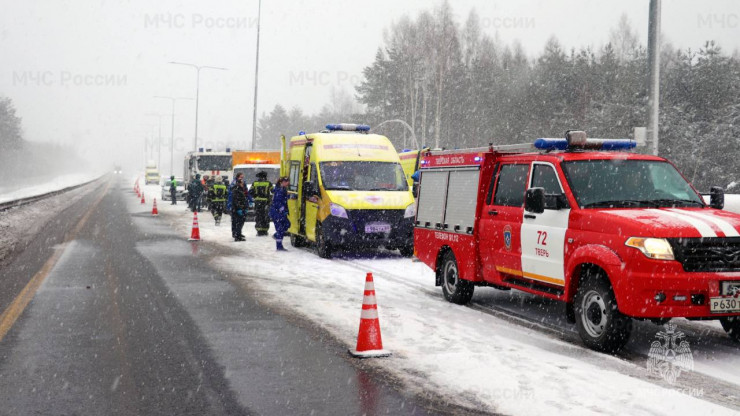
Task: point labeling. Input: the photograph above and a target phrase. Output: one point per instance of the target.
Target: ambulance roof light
(347, 127)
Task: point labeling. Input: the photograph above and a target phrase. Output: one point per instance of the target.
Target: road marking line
(16, 308)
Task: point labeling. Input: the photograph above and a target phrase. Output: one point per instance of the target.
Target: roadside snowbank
(10, 193)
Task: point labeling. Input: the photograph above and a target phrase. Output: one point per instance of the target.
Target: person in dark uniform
(261, 192)
(239, 205)
(279, 212)
(173, 190)
(195, 192)
(217, 198)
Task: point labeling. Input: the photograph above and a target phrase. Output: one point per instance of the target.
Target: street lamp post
(197, 93)
(256, 76)
(172, 130)
(405, 124)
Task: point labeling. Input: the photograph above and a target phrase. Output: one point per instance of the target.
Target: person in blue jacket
(279, 212)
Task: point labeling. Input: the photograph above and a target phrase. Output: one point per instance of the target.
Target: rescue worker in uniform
(279, 212)
(261, 193)
(173, 190)
(239, 205)
(195, 192)
(217, 197)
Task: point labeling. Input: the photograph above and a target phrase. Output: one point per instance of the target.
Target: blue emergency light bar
(591, 144)
(347, 127)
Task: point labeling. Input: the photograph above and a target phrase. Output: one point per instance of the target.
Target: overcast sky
(86, 71)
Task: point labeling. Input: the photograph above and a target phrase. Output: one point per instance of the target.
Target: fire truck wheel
(323, 247)
(406, 251)
(731, 324)
(600, 324)
(455, 289)
(297, 241)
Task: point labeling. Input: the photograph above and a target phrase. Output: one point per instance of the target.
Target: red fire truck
(613, 234)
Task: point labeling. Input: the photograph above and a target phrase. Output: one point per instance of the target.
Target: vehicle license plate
(724, 304)
(377, 227)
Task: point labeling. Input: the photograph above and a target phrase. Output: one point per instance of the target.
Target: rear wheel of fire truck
(323, 247)
(455, 289)
(297, 241)
(600, 324)
(731, 324)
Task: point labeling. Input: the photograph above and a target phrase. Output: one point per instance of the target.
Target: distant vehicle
(117, 170)
(152, 173)
(207, 162)
(181, 192)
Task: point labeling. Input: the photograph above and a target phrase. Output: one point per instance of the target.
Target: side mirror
(534, 201)
(716, 197)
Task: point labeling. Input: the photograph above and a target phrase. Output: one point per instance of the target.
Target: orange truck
(250, 162)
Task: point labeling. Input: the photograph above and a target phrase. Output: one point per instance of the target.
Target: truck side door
(501, 221)
(543, 235)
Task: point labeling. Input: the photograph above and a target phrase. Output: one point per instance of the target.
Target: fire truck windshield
(615, 183)
(214, 162)
(363, 176)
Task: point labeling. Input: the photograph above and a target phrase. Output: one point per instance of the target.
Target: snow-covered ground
(19, 225)
(462, 354)
(15, 189)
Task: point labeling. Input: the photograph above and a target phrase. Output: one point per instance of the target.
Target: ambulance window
(544, 176)
(511, 185)
(295, 170)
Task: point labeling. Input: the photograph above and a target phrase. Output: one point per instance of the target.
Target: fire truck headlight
(338, 211)
(410, 211)
(654, 248)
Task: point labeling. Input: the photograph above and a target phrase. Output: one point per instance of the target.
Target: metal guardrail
(31, 199)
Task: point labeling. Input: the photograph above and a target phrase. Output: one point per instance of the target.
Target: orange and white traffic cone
(142, 198)
(154, 208)
(369, 342)
(195, 233)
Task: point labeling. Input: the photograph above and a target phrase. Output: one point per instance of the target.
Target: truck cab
(347, 190)
(615, 235)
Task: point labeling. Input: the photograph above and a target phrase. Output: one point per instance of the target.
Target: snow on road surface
(459, 354)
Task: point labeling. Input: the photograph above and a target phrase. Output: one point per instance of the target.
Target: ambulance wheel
(455, 289)
(406, 251)
(323, 247)
(600, 324)
(297, 241)
(731, 324)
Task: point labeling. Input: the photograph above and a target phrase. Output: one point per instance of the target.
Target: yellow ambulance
(347, 191)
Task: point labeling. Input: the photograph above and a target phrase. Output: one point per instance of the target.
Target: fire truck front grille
(715, 254)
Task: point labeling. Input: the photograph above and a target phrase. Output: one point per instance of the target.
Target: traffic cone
(369, 342)
(195, 234)
(142, 198)
(154, 208)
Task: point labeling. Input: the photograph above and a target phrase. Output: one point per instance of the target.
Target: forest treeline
(456, 86)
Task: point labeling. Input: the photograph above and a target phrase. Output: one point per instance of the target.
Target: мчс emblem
(670, 357)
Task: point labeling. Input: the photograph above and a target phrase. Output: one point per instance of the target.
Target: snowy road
(119, 315)
(508, 352)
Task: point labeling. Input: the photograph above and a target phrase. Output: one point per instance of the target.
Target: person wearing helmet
(261, 193)
(173, 190)
(217, 197)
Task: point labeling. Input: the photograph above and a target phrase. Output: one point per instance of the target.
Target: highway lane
(131, 319)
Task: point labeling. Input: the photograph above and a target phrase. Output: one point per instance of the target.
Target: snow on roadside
(19, 225)
(453, 352)
(54, 183)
